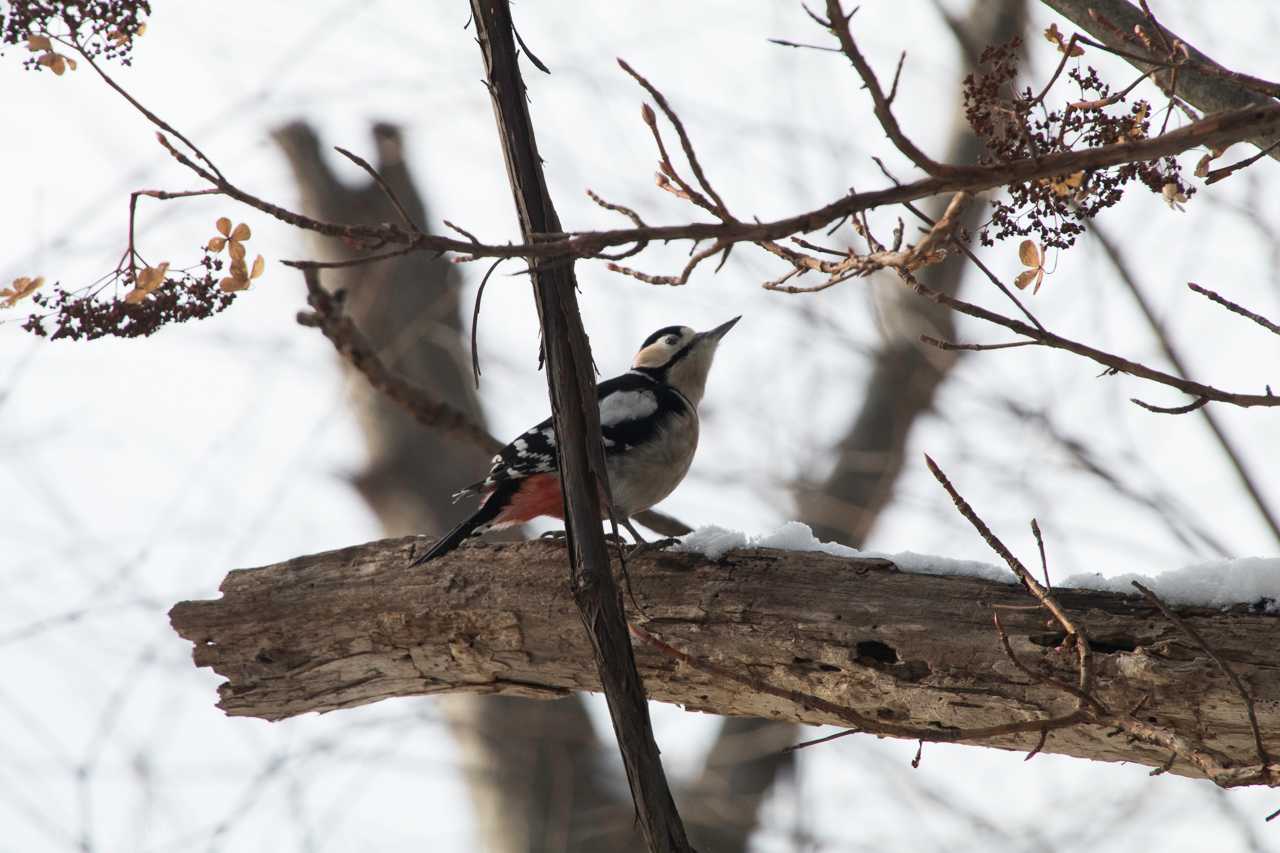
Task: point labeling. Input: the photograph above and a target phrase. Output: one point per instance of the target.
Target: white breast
(644, 475)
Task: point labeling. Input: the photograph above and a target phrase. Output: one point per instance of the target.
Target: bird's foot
(561, 535)
(655, 545)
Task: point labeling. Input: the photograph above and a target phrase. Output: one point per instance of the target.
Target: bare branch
(1215, 130)
(719, 207)
(1172, 410)
(838, 22)
(1110, 361)
(352, 345)
(382, 185)
(1235, 308)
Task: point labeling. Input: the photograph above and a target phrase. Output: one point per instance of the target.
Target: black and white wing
(631, 408)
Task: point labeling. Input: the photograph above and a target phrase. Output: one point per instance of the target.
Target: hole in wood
(874, 651)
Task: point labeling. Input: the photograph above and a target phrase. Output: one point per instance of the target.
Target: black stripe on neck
(657, 375)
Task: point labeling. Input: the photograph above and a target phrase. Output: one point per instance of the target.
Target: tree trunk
(802, 637)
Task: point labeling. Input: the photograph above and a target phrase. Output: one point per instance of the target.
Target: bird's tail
(475, 524)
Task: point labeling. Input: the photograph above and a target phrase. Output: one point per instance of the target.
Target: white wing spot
(627, 406)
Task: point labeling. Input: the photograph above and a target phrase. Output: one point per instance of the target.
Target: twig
(838, 23)
(785, 43)
(897, 73)
(382, 185)
(1235, 308)
(1044, 738)
(1044, 561)
(672, 280)
(1108, 360)
(930, 250)
(1216, 175)
(807, 743)
(137, 105)
(630, 214)
(1113, 22)
(131, 253)
(1212, 763)
(1172, 410)
(537, 63)
(1164, 768)
(950, 346)
(1084, 698)
(464, 232)
(1040, 593)
(685, 142)
(475, 321)
(352, 345)
(968, 253)
(351, 262)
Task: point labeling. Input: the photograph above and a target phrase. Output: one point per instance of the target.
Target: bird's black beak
(719, 331)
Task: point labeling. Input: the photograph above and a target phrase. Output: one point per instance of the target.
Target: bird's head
(681, 357)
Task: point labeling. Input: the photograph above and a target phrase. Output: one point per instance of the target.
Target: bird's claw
(655, 545)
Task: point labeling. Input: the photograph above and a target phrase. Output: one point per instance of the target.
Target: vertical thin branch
(577, 423)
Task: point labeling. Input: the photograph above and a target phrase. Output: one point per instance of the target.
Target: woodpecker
(649, 422)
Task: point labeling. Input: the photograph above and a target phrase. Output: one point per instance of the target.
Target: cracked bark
(353, 626)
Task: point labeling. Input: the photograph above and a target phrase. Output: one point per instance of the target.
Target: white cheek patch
(627, 406)
(654, 355)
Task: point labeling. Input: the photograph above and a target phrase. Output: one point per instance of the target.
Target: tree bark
(820, 639)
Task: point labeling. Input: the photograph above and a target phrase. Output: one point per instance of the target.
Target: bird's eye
(671, 340)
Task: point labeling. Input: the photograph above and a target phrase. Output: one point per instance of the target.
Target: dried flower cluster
(1015, 124)
(156, 300)
(158, 296)
(104, 28)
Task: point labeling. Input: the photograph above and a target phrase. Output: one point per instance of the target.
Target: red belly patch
(537, 495)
